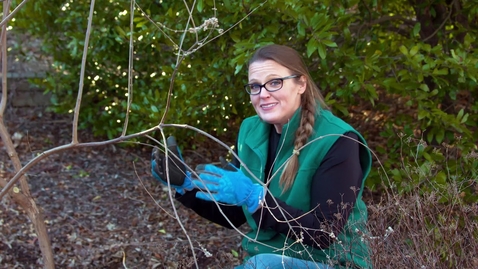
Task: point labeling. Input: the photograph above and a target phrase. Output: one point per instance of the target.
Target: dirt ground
(102, 207)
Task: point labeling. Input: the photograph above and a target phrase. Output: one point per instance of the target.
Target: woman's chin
(269, 119)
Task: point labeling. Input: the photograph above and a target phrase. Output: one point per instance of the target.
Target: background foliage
(403, 72)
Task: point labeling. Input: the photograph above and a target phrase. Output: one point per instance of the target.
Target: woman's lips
(268, 106)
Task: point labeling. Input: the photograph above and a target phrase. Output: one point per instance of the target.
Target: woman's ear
(302, 84)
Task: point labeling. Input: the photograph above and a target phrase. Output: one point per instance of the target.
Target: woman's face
(275, 107)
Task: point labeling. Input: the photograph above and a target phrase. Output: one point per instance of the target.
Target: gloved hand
(179, 177)
(228, 186)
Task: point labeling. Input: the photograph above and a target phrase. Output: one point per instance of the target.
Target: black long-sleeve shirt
(333, 194)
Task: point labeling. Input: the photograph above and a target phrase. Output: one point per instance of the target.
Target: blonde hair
(310, 100)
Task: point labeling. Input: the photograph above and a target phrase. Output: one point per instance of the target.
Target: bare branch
(3, 40)
(190, 19)
(237, 23)
(10, 16)
(130, 68)
(170, 91)
(74, 134)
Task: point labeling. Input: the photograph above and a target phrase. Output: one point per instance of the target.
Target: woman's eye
(274, 83)
(255, 87)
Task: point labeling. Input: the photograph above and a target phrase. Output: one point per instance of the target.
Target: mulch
(101, 206)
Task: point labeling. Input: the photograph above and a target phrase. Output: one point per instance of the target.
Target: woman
(301, 175)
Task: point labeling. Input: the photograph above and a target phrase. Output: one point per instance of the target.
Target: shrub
(408, 72)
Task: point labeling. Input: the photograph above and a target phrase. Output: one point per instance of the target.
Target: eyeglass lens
(272, 85)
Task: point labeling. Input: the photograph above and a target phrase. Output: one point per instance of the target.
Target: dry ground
(97, 207)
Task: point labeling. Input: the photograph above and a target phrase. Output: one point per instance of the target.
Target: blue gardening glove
(179, 177)
(229, 186)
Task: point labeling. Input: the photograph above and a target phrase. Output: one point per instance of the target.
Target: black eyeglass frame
(248, 86)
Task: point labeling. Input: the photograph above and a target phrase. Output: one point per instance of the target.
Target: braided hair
(310, 100)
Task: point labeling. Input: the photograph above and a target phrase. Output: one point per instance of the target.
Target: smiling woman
(299, 178)
(274, 106)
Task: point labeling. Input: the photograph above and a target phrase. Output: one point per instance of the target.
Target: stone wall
(23, 94)
(25, 61)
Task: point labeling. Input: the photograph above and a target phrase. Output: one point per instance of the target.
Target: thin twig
(170, 91)
(10, 16)
(190, 19)
(237, 23)
(130, 69)
(171, 199)
(3, 44)
(76, 115)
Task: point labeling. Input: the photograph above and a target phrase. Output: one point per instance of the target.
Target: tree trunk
(27, 203)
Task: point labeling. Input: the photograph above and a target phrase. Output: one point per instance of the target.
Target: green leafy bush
(388, 67)
(440, 169)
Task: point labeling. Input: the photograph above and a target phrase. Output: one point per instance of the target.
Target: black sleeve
(234, 160)
(333, 194)
(210, 211)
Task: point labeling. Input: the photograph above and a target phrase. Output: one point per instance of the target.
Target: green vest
(350, 249)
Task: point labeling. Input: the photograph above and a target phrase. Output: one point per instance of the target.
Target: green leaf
(317, 20)
(234, 253)
(372, 91)
(329, 43)
(376, 55)
(443, 71)
(301, 28)
(440, 178)
(460, 114)
(430, 136)
(227, 4)
(414, 50)
(235, 36)
(469, 37)
(404, 50)
(312, 46)
(424, 87)
(422, 114)
(472, 77)
(440, 135)
(200, 5)
(420, 79)
(397, 175)
(322, 51)
(120, 31)
(342, 109)
(416, 29)
(154, 109)
(237, 69)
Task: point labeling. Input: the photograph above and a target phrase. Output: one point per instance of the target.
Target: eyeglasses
(270, 86)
